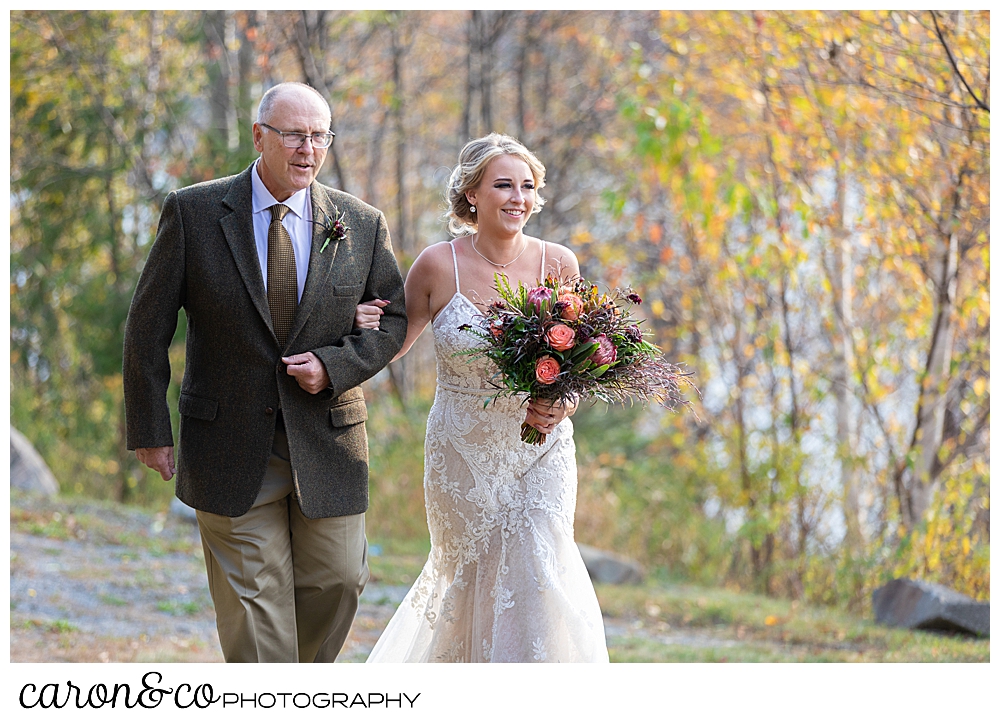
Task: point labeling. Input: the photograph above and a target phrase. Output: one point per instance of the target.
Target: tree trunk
(218, 73)
(302, 36)
(522, 72)
(399, 132)
(486, 72)
(842, 375)
(472, 42)
(375, 161)
(232, 81)
(929, 431)
(244, 99)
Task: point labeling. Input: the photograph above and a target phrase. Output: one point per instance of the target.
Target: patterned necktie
(282, 287)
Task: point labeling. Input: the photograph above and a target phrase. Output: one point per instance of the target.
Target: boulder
(920, 605)
(28, 471)
(607, 567)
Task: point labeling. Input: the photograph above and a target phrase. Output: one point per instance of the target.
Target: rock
(905, 603)
(28, 470)
(182, 511)
(607, 567)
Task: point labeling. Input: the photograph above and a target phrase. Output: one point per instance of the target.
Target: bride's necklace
(494, 263)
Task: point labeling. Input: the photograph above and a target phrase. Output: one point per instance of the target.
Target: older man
(268, 266)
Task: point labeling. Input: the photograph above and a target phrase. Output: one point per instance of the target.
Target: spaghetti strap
(541, 279)
(454, 259)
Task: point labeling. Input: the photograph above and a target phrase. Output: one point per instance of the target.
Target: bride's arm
(561, 260)
(417, 292)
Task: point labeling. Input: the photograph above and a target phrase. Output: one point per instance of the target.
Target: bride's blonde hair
(472, 162)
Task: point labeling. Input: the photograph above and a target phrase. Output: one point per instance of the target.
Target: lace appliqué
(504, 580)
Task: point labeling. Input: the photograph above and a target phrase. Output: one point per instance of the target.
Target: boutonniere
(334, 226)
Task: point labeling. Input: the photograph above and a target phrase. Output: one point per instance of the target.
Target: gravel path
(92, 582)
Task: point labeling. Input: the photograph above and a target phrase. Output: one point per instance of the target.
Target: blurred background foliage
(801, 198)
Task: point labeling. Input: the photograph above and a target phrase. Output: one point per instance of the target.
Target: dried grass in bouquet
(564, 341)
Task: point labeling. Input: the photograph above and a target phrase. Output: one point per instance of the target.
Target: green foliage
(396, 469)
(85, 194)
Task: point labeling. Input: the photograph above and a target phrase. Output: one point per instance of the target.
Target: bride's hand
(367, 315)
(544, 415)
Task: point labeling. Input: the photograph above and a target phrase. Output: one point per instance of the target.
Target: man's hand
(159, 458)
(544, 415)
(308, 371)
(367, 315)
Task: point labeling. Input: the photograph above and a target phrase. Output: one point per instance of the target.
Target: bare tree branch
(937, 29)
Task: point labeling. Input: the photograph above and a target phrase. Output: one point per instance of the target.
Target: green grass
(766, 630)
(177, 607)
(399, 561)
(101, 521)
(52, 626)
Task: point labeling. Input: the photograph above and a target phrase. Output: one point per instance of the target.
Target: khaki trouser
(285, 587)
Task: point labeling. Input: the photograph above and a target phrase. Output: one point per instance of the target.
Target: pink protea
(537, 295)
(605, 353)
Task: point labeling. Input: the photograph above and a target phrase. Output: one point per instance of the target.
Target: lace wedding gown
(504, 581)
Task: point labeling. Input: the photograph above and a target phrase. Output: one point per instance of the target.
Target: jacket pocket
(197, 407)
(353, 412)
(347, 290)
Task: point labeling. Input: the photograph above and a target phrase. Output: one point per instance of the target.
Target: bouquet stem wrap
(530, 435)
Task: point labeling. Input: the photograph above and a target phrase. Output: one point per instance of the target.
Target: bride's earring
(472, 209)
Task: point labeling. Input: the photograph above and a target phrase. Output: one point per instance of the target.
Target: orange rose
(561, 337)
(546, 370)
(572, 306)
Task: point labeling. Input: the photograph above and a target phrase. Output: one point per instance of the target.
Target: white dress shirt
(297, 222)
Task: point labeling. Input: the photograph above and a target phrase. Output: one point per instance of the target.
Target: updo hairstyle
(472, 162)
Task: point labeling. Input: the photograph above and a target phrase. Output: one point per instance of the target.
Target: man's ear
(258, 137)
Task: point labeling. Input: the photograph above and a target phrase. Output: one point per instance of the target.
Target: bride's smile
(504, 200)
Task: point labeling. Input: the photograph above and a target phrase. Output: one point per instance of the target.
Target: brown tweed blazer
(204, 260)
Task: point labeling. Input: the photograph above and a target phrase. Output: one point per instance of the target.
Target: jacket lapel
(238, 229)
(320, 262)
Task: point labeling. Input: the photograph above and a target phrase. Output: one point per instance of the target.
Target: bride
(504, 581)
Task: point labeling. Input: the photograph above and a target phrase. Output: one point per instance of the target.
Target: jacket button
(269, 411)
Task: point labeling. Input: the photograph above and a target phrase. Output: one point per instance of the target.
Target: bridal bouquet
(563, 340)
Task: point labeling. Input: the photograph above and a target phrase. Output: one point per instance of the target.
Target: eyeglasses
(297, 140)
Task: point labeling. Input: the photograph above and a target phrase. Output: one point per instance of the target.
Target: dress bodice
(455, 369)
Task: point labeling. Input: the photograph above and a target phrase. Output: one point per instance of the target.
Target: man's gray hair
(267, 102)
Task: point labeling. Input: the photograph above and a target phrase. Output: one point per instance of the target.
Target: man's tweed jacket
(204, 260)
